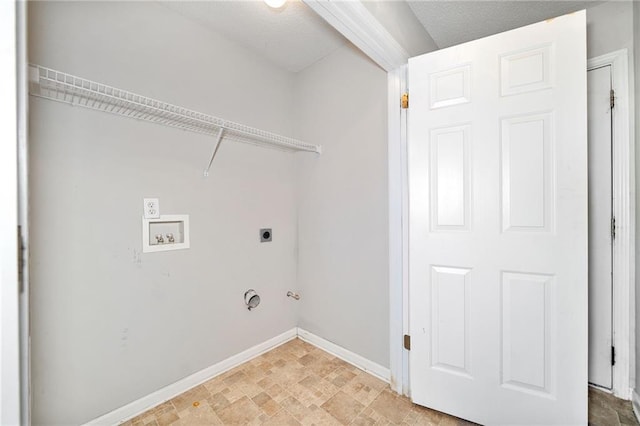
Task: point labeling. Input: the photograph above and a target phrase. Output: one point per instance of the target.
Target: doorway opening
(601, 227)
(612, 234)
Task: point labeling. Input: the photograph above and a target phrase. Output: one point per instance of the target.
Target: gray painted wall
(109, 323)
(609, 28)
(343, 203)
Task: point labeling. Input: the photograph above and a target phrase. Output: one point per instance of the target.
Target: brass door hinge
(404, 102)
(407, 342)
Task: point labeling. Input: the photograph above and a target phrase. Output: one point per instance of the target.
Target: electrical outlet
(151, 208)
(266, 235)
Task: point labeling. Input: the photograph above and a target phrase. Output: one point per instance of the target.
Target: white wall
(111, 324)
(343, 203)
(609, 27)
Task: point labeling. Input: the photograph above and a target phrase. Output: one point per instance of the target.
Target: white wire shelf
(59, 86)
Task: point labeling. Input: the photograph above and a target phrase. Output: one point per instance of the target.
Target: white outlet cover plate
(151, 208)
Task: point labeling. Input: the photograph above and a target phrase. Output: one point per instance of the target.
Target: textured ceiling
(292, 37)
(454, 22)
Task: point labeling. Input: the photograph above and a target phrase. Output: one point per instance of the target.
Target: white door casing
(23, 210)
(9, 297)
(497, 145)
(600, 238)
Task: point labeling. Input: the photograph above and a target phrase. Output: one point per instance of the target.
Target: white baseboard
(141, 405)
(145, 403)
(362, 363)
(635, 401)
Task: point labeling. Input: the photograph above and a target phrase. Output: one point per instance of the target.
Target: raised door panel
(450, 185)
(450, 87)
(450, 350)
(527, 324)
(527, 70)
(528, 200)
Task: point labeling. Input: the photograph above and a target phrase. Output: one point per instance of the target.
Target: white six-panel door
(497, 138)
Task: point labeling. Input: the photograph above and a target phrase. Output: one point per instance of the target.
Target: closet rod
(59, 86)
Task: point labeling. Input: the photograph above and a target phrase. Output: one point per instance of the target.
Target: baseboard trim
(143, 404)
(122, 414)
(346, 355)
(635, 402)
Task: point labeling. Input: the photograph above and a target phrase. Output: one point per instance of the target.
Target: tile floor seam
(357, 415)
(366, 406)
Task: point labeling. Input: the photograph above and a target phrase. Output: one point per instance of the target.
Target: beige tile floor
(293, 384)
(297, 383)
(607, 410)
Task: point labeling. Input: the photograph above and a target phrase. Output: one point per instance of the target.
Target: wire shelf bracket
(62, 87)
(216, 145)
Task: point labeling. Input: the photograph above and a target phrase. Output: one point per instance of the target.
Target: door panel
(497, 141)
(450, 320)
(600, 243)
(450, 178)
(527, 173)
(527, 323)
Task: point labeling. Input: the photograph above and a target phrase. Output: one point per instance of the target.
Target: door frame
(623, 173)
(398, 170)
(10, 391)
(23, 209)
